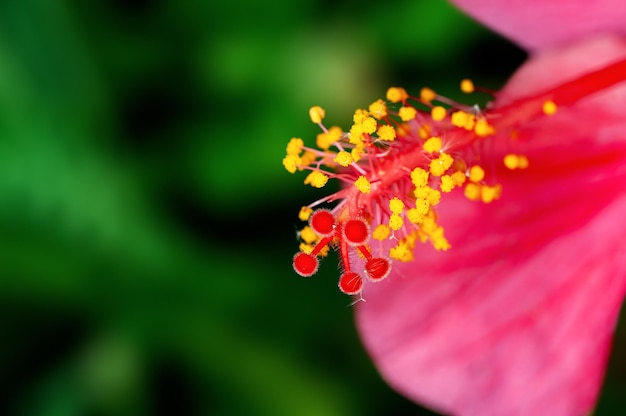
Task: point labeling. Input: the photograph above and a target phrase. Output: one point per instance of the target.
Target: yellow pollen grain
(472, 191)
(440, 165)
(343, 158)
(396, 205)
(325, 140)
(401, 252)
(307, 158)
(357, 152)
(305, 213)
(316, 179)
(476, 174)
(407, 113)
(422, 206)
(459, 178)
(378, 109)
(308, 235)
(369, 125)
(294, 147)
(414, 216)
(395, 222)
(427, 95)
(438, 113)
(512, 161)
(419, 177)
(363, 185)
(397, 94)
(523, 162)
(440, 243)
(549, 107)
(317, 114)
(459, 118)
(306, 248)
(359, 116)
(434, 196)
(482, 128)
(432, 145)
(490, 193)
(424, 131)
(356, 134)
(381, 232)
(386, 133)
(467, 86)
(291, 162)
(447, 183)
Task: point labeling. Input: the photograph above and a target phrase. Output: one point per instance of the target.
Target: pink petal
(517, 318)
(542, 24)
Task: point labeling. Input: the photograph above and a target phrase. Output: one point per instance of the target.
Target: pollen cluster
(396, 163)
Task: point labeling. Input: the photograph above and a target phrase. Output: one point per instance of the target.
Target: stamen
(397, 162)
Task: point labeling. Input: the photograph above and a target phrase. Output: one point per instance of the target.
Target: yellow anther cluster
(427, 95)
(316, 179)
(432, 145)
(549, 107)
(305, 213)
(419, 177)
(292, 161)
(441, 164)
(381, 232)
(308, 235)
(396, 222)
(403, 251)
(424, 131)
(396, 205)
(325, 140)
(359, 116)
(363, 185)
(378, 109)
(386, 133)
(458, 177)
(415, 215)
(482, 128)
(317, 114)
(407, 113)
(512, 161)
(447, 183)
(463, 120)
(357, 152)
(476, 173)
(308, 248)
(294, 147)
(397, 94)
(484, 193)
(428, 194)
(438, 113)
(467, 86)
(343, 158)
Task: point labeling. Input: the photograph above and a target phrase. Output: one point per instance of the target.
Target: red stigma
(305, 264)
(323, 222)
(350, 283)
(377, 268)
(356, 232)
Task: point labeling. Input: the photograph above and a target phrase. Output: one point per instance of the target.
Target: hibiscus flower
(512, 310)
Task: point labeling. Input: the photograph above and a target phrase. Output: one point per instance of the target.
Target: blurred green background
(147, 223)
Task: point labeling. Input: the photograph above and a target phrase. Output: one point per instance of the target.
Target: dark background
(147, 223)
